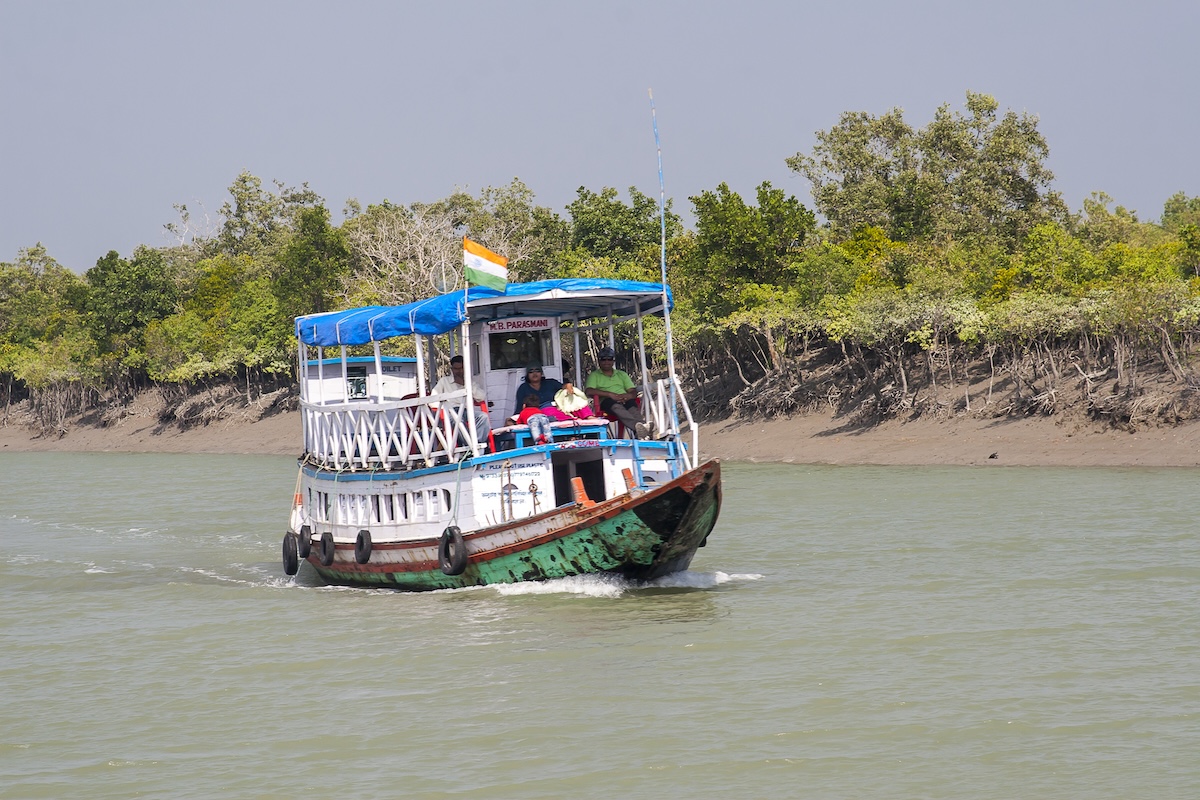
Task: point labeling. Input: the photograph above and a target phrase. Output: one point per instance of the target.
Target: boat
(404, 488)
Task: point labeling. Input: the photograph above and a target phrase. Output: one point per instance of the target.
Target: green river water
(853, 632)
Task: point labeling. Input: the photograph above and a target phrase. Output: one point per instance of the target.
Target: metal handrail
(666, 420)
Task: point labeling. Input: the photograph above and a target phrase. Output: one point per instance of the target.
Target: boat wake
(614, 586)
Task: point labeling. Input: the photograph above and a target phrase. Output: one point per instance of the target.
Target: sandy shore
(1042, 441)
(811, 439)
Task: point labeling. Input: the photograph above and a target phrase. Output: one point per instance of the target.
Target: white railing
(662, 418)
(403, 434)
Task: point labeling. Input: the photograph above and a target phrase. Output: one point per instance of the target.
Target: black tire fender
(291, 556)
(305, 541)
(452, 551)
(327, 548)
(362, 547)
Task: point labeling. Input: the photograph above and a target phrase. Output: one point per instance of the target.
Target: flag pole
(466, 281)
(464, 345)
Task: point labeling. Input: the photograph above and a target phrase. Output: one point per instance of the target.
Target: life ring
(305, 541)
(291, 559)
(452, 551)
(362, 547)
(327, 548)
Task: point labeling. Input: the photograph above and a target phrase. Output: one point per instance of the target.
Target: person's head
(533, 373)
(530, 401)
(456, 366)
(568, 384)
(607, 357)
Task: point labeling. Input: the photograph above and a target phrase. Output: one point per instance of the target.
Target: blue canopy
(573, 297)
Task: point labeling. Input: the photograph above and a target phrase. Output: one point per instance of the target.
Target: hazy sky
(114, 111)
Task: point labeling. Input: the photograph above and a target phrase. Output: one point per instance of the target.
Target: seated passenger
(616, 392)
(572, 401)
(537, 384)
(455, 382)
(531, 415)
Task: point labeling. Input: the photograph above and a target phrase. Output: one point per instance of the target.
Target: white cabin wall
(392, 510)
(492, 504)
(398, 380)
(394, 387)
(501, 384)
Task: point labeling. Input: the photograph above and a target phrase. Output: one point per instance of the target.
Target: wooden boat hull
(638, 535)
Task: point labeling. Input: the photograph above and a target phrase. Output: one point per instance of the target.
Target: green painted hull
(640, 537)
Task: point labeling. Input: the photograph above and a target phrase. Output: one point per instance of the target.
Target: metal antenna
(662, 217)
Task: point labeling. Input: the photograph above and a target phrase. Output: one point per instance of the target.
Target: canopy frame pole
(421, 384)
(637, 307)
(345, 377)
(301, 362)
(321, 375)
(378, 374)
(578, 356)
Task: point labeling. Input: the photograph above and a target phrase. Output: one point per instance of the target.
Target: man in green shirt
(616, 392)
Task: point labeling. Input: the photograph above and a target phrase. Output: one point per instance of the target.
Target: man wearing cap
(456, 382)
(616, 390)
(538, 384)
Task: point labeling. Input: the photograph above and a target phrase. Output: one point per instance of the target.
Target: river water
(853, 632)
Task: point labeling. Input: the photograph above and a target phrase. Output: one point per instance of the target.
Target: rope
(457, 487)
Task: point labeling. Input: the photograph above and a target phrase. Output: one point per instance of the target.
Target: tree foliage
(746, 256)
(311, 265)
(126, 295)
(605, 227)
(402, 253)
(963, 176)
(257, 222)
(921, 246)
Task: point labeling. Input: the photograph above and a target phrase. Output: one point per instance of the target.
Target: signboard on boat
(519, 324)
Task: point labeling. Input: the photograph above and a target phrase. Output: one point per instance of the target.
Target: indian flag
(484, 267)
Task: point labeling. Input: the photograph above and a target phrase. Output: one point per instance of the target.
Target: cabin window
(436, 501)
(387, 508)
(356, 509)
(323, 508)
(517, 349)
(429, 504)
(356, 382)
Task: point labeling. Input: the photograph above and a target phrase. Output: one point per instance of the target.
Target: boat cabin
(360, 379)
(372, 411)
(503, 349)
